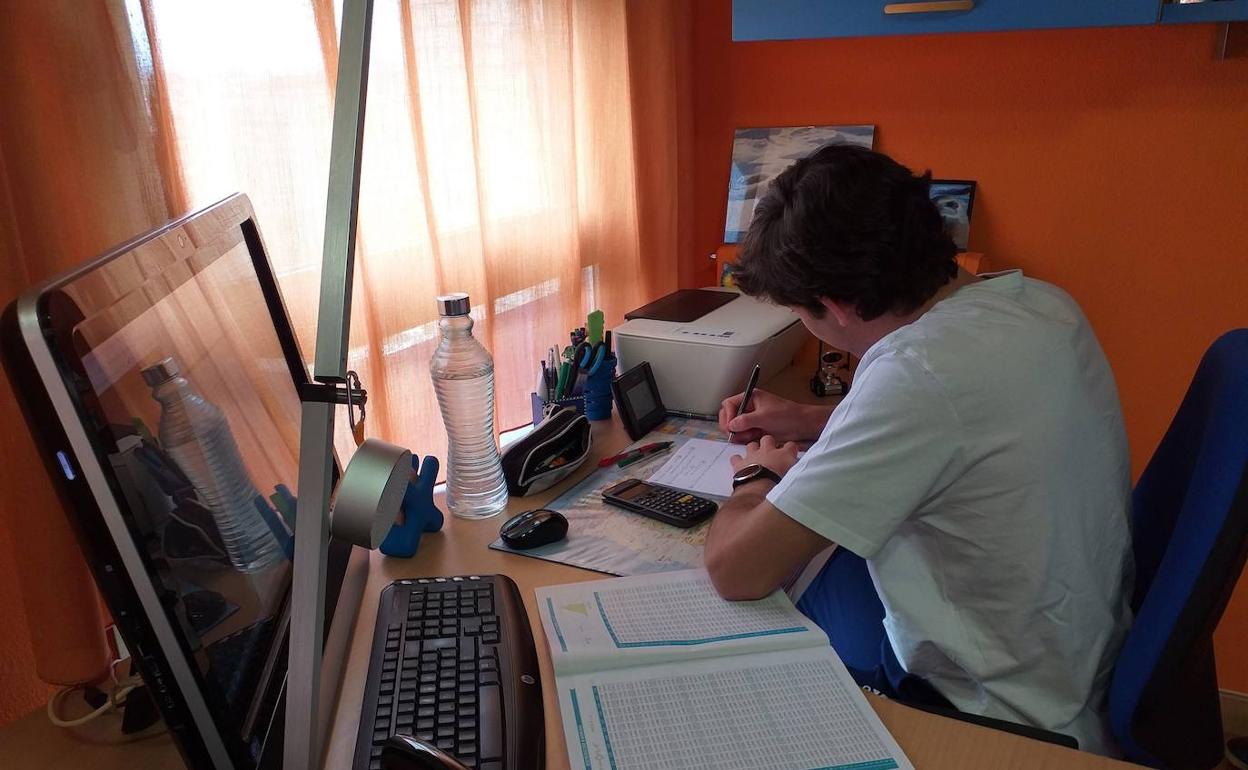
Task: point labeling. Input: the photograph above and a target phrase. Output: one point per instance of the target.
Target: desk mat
(614, 541)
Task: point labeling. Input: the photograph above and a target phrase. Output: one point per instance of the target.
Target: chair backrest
(1190, 525)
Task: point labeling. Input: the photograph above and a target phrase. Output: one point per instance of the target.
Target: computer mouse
(533, 528)
(403, 752)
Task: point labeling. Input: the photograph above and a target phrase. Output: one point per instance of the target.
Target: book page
(668, 616)
(791, 710)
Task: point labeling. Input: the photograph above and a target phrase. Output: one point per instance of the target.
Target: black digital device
(534, 528)
(670, 506)
(637, 398)
(207, 630)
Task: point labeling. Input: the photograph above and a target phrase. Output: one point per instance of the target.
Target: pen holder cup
(540, 405)
(598, 390)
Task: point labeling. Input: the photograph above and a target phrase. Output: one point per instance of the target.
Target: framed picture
(954, 198)
(760, 154)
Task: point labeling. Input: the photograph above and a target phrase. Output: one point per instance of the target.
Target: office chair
(1190, 525)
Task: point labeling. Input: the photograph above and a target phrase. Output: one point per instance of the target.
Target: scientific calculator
(668, 505)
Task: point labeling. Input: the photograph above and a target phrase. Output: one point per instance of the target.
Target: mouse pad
(614, 541)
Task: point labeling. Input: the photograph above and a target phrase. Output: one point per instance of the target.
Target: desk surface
(931, 742)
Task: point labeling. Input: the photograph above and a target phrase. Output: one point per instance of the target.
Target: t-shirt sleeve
(888, 449)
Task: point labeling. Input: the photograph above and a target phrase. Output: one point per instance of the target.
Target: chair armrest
(1035, 733)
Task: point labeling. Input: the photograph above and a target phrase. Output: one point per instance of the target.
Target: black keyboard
(453, 665)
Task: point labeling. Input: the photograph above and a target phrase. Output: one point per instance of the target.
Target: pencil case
(542, 408)
(555, 448)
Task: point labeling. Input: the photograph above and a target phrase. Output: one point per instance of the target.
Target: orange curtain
(530, 152)
(79, 172)
(514, 149)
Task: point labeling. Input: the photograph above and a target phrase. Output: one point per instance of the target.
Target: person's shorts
(843, 601)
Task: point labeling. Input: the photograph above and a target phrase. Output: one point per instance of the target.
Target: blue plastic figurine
(418, 513)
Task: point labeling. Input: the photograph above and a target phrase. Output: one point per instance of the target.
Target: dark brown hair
(849, 224)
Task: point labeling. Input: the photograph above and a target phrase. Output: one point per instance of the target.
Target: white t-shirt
(979, 463)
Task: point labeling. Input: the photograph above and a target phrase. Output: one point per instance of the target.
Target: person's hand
(769, 453)
(769, 415)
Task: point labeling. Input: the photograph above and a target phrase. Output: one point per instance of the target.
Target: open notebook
(657, 672)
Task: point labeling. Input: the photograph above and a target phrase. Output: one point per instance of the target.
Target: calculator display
(635, 491)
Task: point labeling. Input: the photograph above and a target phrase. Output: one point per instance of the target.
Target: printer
(703, 343)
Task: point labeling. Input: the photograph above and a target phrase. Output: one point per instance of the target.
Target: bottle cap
(161, 371)
(454, 304)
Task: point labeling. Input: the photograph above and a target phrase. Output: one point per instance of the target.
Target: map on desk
(612, 540)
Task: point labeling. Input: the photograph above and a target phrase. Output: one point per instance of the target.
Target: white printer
(700, 358)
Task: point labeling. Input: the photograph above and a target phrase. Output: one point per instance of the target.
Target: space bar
(490, 725)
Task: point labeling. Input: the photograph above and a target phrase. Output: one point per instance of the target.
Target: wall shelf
(1194, 13)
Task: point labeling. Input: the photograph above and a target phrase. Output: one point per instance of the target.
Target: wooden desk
(931, 742)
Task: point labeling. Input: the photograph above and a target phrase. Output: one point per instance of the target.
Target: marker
(749, 393)
(643, 455)
(630, 454)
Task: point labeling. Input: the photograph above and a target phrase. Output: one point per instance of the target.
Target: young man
(978, 464)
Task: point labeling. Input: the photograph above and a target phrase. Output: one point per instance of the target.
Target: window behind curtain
(497, 160)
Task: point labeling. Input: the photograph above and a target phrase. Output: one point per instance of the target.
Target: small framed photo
(954, 199)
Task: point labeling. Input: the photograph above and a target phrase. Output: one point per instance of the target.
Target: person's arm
(893, 443)
(752, 548)
(771, 415)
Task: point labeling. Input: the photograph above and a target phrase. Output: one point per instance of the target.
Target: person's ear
(840, 310)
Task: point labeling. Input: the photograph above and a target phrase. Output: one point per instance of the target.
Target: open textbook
(656, 672)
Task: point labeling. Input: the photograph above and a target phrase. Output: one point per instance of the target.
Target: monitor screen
(173, 353)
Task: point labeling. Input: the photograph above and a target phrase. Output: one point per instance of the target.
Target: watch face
(747, 473)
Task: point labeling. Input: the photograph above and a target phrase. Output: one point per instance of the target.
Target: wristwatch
(753, 472)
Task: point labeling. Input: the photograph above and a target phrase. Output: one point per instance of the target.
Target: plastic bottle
(463, 377)
(196, 434)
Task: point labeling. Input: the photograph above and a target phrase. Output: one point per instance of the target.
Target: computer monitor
(199, 585)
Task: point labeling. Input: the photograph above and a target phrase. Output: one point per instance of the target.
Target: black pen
(749, 393)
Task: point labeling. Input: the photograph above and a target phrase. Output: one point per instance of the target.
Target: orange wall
(1112, 162)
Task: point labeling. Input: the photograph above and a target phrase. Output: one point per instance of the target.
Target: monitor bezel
(94, 501)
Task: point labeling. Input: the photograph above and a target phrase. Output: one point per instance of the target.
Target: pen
(749, 393)
(625, 455)
(643, 455)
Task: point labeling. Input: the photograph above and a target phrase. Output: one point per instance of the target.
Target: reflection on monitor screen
(184, 379)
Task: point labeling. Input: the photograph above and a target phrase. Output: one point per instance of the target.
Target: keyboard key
(412, 650)
(441, 644)
(490, 734)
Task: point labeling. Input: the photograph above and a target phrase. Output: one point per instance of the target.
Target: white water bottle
(197, 436)
(463, 377)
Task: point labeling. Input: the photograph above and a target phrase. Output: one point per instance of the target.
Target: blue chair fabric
(1190, 528)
